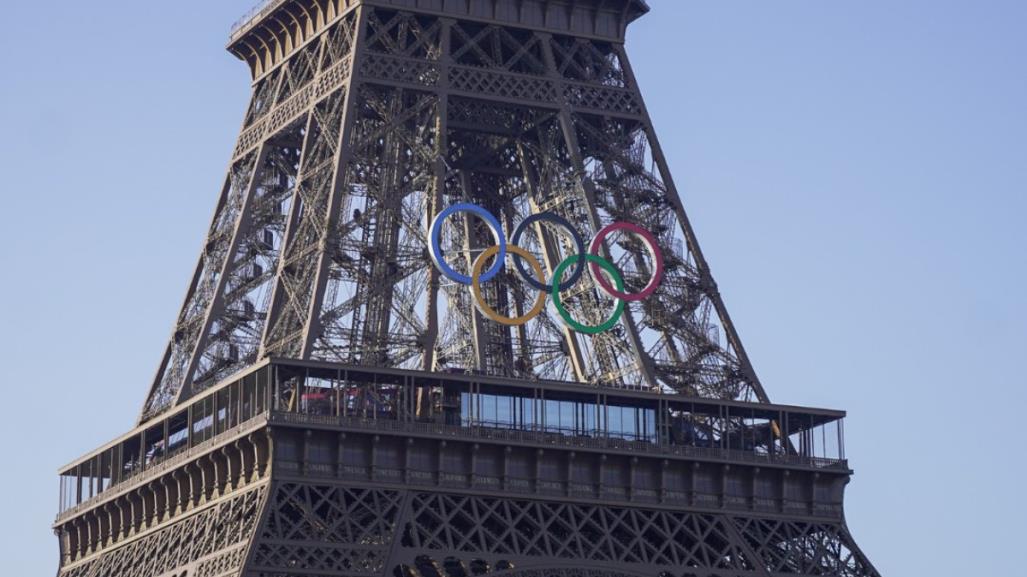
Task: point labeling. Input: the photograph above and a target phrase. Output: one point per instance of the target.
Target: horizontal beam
(356, 372)
(568, 387)
(589, 18)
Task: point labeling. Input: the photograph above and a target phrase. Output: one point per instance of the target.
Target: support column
(435, 207)
(693, 242)
(479, 330)
(82, 539)
(313, 325)
(92, 533)
(67, 544)
(551, 258)
(155, 490)
(645, 363)
(220, 474)
(231, 470)
(143, 511)
(196, 492)
(245, 461)
(106, 524)
(208, 474)
(180, 479)
(125, 510)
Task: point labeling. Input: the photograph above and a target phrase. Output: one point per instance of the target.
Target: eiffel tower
(333, 401)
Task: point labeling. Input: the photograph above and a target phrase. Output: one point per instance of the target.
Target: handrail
(551, 438)
(257, 12)
(158, 467)
(472, 431)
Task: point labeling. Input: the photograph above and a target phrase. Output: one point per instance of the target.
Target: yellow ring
(479, 301)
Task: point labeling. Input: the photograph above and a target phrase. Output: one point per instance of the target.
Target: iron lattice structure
(329, 404)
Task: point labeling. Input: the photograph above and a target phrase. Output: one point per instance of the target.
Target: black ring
(558, 221)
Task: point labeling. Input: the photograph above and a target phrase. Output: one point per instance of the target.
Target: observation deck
(395, 426)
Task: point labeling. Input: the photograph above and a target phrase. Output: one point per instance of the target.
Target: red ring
(654, 252)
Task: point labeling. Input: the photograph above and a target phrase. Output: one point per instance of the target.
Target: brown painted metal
(328, 404)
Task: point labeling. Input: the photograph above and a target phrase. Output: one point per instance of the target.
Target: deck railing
(161, 465)
(256, 13)
(545, 437)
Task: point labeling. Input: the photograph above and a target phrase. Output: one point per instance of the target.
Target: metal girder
(424, 111)
(693, 241)
(345, 444)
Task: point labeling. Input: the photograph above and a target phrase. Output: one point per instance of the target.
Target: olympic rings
(436, 242)
(558, 302)
(479, 300)
(654, 253)
(599, 267)
(578, 242)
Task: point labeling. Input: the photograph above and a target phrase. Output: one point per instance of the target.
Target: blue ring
(436, 242)
(579, 242)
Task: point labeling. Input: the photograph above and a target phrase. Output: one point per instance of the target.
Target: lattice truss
(334, 530)
(223, 320)
(804, 548)
(372, 311)
(521, 153)
(683, 332)
(212, 540)
(318, 248)
(315, 529)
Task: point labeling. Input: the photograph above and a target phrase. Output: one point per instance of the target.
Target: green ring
(605, 265)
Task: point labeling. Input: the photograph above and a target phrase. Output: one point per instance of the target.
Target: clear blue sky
(856, 171)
